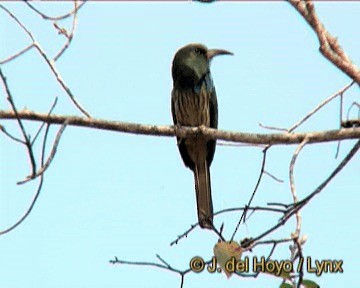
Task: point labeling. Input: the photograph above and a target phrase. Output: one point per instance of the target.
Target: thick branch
(133, 128)
(329, 45)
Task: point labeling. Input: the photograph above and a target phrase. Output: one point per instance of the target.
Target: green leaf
(285, 285)
(310, 284)
(284, 275)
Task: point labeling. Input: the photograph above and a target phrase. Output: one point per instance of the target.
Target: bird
(194, 103)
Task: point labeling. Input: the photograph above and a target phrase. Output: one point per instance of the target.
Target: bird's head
(192, 62)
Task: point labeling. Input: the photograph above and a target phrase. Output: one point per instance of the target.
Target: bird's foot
(201, 130)
(177, 127)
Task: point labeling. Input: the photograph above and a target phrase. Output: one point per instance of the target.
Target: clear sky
(111, 194)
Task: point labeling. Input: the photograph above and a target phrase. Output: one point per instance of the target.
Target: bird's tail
(203, 195)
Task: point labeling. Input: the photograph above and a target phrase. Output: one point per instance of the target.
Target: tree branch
(170, 131)
(329, 45)
(28, 211)
(54, 18)
(50, 63)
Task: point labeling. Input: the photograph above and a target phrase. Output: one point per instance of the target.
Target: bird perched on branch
(194, 103)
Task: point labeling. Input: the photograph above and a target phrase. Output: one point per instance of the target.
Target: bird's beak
(211, 53)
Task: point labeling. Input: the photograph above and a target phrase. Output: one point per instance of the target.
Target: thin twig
(141, 263)
(342, 164)
(227, 144)
(185, 234)
(302, 203)
(219, 233)
(243, 215)
(163, 261)
(43, 124)
(296, 234)
(273, 177)
(50, 62)
(22, 128)
(255, 208)
(18, 22)
(322, 104)
(71, 35)
(53, 18)
(340, 121)
(272, 127)
(27, 213)
(51, 156)
(267, 242)
(354, 104)
(21, 52)
(279, 204)
(2, 128)
(292, 184)
(235, 209)
(300, 256)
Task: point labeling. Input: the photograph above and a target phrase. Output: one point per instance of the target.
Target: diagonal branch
(243, 215)
(27, 213)
(306, 200)
(299, 205)
(322, 104)
(51, 156)
(68, 36)
(329, 45)
(51, 63)
(26, 141)
(17, 54)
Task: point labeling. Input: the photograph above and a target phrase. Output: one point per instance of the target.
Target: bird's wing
(173, 108)
(213, 106)
(207, 82)
(181, 143)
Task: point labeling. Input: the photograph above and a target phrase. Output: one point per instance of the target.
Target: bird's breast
(191, 108)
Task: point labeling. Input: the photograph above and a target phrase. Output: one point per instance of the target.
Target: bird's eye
(197, 50)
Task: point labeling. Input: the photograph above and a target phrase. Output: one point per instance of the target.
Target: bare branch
(43, 124)
(329, 46)
(299, 205)
(354, 104)
(22, 128)
(51, 156)
(71, 35)
(267, 242)
(2, 128)
(169, 131)
(54, 18)
(272, 128)
(342, 164)
(18, 22)
(236, 209)
(27, 213)
(296, 234)
(243, 216)
(292, 183)
(322, 104)
(185, 234)
(12, 57)
(221, 143)
(50, 62)
(140, 263)
(273, 177)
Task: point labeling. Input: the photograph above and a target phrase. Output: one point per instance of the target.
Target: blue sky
(111, 194)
